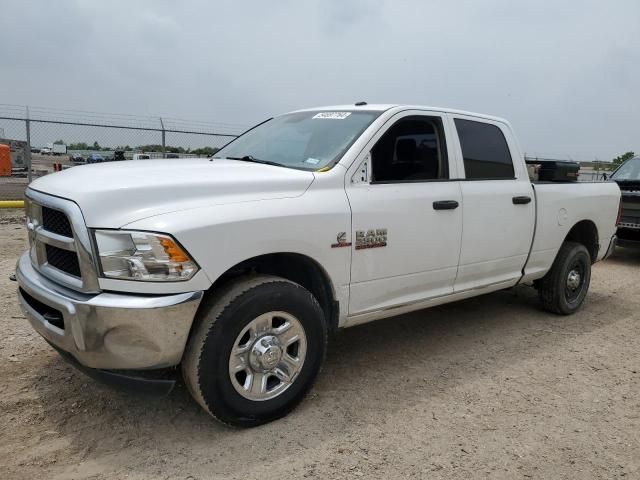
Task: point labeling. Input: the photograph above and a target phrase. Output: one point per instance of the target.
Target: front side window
(413, 149)
(485, 151)
(309, 140)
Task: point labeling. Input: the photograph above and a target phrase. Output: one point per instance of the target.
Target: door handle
(521, 200)
(445, 205)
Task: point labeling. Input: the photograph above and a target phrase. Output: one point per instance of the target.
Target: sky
(565, 73)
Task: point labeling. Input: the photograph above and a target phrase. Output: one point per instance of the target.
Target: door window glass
(412, 149)
(485, 150)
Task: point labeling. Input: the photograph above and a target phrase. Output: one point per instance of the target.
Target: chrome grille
(60, 243)
(63, 260)
(630, 223)
(56, 221)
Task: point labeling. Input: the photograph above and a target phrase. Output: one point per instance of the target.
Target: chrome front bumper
(107, 330)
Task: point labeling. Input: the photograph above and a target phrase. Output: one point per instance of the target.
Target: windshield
(630, 170)
(303, 140)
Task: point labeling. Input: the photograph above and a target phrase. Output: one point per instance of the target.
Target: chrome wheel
(267, 356)
(574, 281)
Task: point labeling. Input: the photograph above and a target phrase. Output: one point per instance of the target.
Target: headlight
(142, 256)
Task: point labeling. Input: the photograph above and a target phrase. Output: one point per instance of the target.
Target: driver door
(406, 215)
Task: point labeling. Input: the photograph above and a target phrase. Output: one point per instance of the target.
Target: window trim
(441, 136)
(392, 182)
(506, 142)
(487, 179)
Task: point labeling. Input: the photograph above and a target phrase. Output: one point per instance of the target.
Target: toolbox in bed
(554, 170)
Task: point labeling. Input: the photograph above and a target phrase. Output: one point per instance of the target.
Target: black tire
(554, 290)
(221, 319)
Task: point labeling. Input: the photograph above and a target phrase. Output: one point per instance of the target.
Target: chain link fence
(43, 140)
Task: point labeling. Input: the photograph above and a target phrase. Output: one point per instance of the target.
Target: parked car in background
(95, 158)
(237, 268)
(77, 159)
(45, 151)
(627, 176)
(141, 156)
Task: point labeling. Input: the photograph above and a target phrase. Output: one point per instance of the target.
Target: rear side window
(485, 150)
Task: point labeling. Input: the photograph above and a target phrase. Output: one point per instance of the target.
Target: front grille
(629, 185)
(63, 260)
(56, 221)
(60, 245)
(629, 223)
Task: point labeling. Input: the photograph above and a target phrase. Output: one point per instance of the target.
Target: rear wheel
(563, 289)
(255, 351)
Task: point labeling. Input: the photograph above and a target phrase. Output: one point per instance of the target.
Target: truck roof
(381, 107)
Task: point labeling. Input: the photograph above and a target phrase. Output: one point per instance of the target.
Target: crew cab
(237, 268)
(627, 176)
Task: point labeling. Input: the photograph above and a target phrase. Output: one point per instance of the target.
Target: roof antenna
(360, 104)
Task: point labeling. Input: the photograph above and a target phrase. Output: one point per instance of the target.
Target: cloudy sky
(566, 73)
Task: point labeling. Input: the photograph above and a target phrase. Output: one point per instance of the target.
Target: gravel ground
(491, 387)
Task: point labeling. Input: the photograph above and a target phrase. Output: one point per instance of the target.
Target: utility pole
(28, 125)
(164, 154)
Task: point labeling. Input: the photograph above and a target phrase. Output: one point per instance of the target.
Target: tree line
(620, 159)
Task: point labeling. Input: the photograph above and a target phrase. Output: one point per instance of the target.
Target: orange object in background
(5, 161)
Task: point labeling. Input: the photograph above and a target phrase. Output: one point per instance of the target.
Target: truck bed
(560, 206)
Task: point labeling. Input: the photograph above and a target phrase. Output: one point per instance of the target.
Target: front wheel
(255, 351)
(563, 289)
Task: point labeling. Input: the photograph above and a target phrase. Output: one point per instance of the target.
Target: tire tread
(551, 286)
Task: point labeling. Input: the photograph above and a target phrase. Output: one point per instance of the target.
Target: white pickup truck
(237, 268)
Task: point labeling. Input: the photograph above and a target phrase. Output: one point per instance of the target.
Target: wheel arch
(585, 232)
(296, 267)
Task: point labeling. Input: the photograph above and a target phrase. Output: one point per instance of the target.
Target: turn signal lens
(174, 252)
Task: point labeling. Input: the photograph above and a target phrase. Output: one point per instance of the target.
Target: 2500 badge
(371, 238)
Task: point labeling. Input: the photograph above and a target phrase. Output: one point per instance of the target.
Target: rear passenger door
(498, 205)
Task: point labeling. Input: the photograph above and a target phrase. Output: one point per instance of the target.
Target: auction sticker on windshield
(333, 115)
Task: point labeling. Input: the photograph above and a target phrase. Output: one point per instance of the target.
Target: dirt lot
(490, 387)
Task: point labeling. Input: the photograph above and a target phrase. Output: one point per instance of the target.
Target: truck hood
(112, 195)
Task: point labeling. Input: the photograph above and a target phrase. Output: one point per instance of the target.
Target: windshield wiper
(251, 158)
